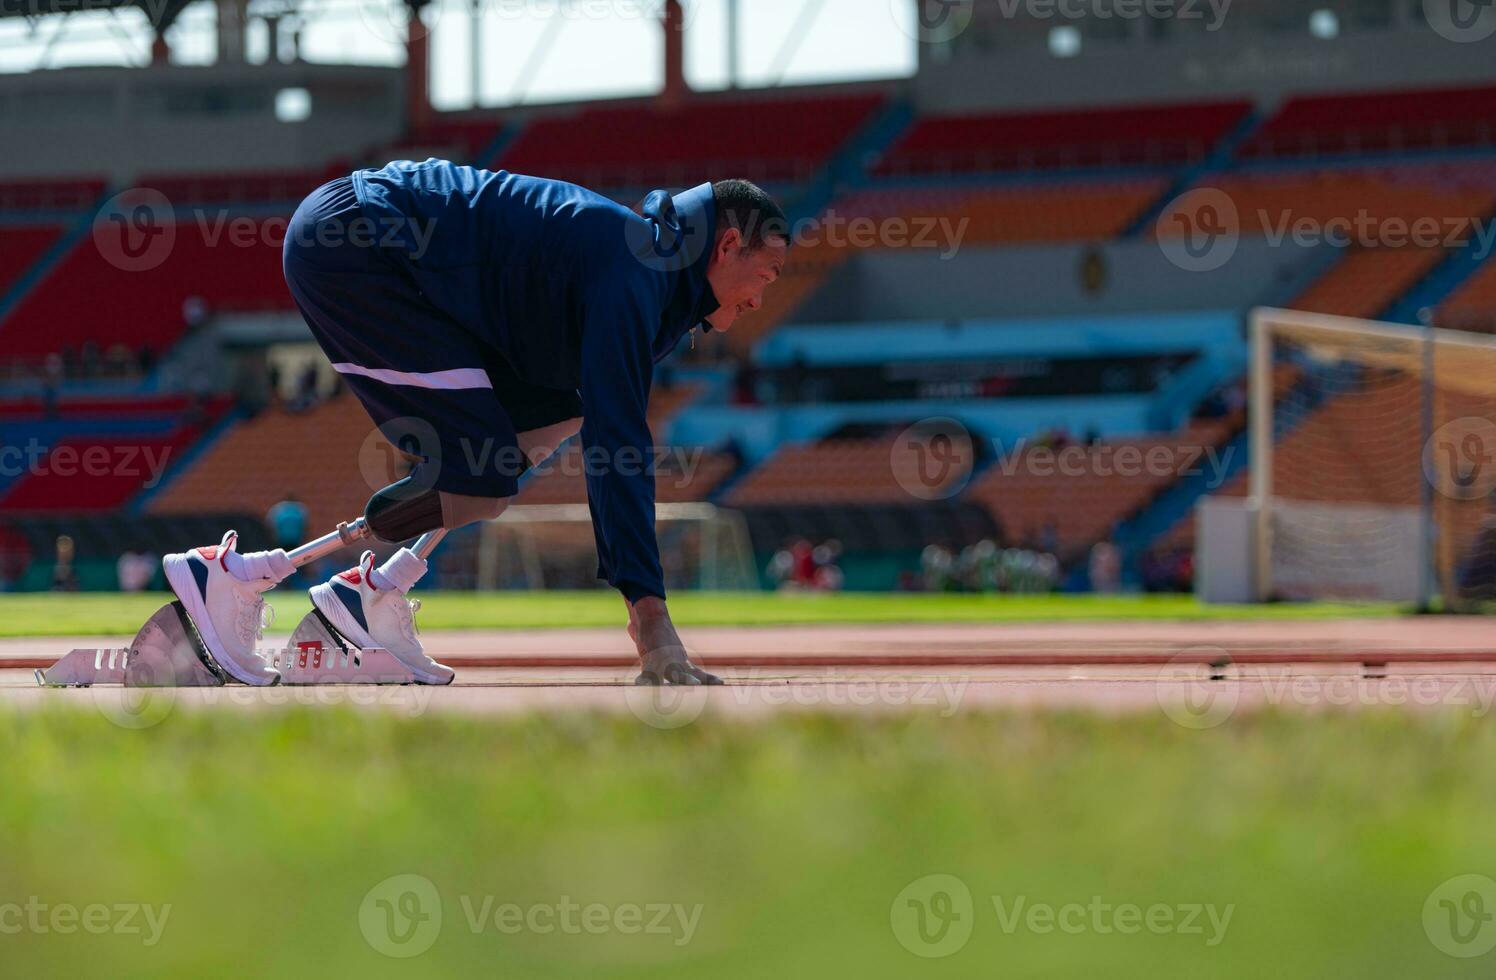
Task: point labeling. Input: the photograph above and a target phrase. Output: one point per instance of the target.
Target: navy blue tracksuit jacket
(577, 292)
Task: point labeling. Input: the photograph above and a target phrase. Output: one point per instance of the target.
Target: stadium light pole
(417, 69)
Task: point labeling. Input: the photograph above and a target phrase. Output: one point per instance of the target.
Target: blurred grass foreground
(347, 844)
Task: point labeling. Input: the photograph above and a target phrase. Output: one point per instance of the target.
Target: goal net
(552, 547)
(1373, 460)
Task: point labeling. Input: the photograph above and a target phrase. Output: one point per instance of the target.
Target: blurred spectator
(64, 575)
(135, 570)
(800, 566)
(1106, 567)
(288, 520)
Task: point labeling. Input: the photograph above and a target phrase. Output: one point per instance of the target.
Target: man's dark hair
(744, 205)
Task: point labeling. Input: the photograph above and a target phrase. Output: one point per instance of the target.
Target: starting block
(167, 652)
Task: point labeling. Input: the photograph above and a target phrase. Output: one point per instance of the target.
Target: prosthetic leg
(317, 650)
(168, 652)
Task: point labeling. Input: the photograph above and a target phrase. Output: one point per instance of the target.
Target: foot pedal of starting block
(166, 652)
(318, 654)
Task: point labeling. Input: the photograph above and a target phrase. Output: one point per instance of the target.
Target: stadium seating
(1473, 305)
(837, 471)
(98, 473)
(242, 188)
(1160, 135)
(1367, 281)
(636, 145)
(334, 474)
(45, 194)
(1355, 198)
(1376, 121)
(20, 247)
(1105, 485)
(87, 297)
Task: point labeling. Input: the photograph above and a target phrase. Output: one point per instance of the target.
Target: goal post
(1373, 460)
(541, 546)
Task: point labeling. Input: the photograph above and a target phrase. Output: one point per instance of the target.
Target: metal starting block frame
(168, 652)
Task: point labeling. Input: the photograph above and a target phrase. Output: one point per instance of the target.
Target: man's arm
(617, 370)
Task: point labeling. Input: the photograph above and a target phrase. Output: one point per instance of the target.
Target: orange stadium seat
(1366, 281)
(1146, 135)
(636, 144)
(1112, 482)
(834, 471)
(1473, 305)
(1364, 203)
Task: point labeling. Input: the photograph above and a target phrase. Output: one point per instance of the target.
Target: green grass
(99, 613)
(265, 832)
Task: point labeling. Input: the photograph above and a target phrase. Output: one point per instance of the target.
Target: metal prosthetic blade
(318, 654)
(167, 652)
(85, 668)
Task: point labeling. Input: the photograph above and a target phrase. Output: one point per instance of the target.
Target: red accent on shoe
(209, 553)
(351, 576)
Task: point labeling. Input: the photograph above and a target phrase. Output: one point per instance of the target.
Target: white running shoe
(229, 614)
(370, 617)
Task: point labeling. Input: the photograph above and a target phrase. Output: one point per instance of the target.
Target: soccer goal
(552, 547)
(1373, 458)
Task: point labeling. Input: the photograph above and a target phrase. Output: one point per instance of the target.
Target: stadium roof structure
(160, 13)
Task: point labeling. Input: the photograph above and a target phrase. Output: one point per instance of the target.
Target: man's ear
(731, 241)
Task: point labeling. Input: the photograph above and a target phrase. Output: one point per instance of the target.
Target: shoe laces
(254, 617)
(408, 621)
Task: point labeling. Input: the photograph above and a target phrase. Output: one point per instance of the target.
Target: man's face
(739, 275)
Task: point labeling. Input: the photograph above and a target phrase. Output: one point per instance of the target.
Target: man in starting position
(471, 311)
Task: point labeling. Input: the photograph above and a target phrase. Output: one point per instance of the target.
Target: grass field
(101, 613)
(779, 849)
